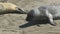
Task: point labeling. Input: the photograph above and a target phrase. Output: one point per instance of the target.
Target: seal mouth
(20, 11)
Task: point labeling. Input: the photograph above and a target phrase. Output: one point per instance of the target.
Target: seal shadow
(10, 12)
(32, 23)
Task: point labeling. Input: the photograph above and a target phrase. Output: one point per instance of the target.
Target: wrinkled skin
(44, 12)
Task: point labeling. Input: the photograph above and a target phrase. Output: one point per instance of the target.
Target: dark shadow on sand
(13, 12)
(31, 23)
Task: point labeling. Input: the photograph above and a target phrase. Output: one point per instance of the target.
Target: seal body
(9, 7)
(50, 12)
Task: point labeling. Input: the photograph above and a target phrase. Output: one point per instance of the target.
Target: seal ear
(20, 10)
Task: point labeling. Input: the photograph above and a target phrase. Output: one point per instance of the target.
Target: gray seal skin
(50, 12)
